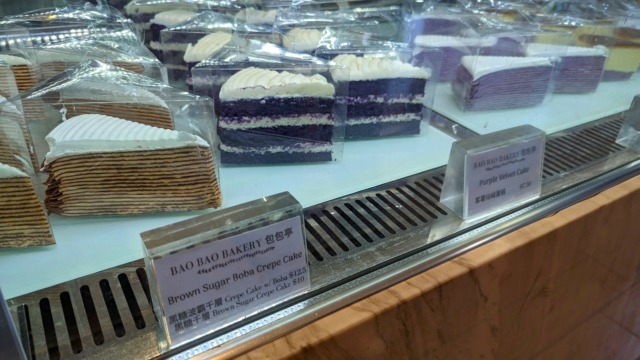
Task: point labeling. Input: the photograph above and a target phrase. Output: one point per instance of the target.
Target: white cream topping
(537, 49)
(261, 122)
(256, 17)
(14, 60)
(479, 66)
(7, 171)
(358, 68)
(171, 17)
(302, 39)
(206, 46)
(454, 41)
(103, 91)
(254, 83)
(383, 119)
(93, 133)
(142, 7)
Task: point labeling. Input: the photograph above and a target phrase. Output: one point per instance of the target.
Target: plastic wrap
(137, 144)
(23, 221)
(23, 67)
(387, 95)
(295, 118)
(433, 19)
(162, 21)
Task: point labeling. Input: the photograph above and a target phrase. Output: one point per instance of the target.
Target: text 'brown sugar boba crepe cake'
(23, 221)
(100, 165)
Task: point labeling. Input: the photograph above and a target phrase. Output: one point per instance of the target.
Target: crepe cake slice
(100, 165)
(23, 221)
(23, 71)
(54, 61)
(117, 100)
(8, 87)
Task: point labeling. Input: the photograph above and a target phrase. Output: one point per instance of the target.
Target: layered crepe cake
(496, 82)
(385, 97)
(117, 100)
(579, 69)
(99, 165)
(268, 116)
(23, 221)
(23, 71)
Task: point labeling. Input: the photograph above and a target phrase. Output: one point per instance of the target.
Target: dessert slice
(100, 165)
(23, 72)
(268, 117)
(162, 21)
(579, 69)
(8, 86)
(302, 40)
(121, 101)
(385, 97)
(495, 82)
(206, 46)
(23, 221)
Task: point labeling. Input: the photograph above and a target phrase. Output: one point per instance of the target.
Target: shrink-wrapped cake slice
(23, 70)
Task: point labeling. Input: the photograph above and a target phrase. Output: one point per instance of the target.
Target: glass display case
(373, 216)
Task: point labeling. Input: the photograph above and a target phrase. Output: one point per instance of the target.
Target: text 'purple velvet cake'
(385, 97)
(497, 82)
(269, 117)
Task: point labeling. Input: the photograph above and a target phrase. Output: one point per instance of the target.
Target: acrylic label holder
(210, 271)
(494, 172)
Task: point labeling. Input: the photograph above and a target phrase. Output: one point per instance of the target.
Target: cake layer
(381, 109)
(378, 129)
(365, 68)
(390, 88)
(147, 114)
(251, 122)
(276, 106)
(206, 46)
(614, 75)
(255, 83)
(275, 155)
(578, 74)
(276, 136)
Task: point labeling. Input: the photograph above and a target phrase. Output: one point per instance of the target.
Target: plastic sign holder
(629, 135)
(10, 345)
(490, 173)
(213, 270)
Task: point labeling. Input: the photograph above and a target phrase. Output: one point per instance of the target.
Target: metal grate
(109, 314)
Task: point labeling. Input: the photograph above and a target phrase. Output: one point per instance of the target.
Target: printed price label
(502, 177)
(204, 286)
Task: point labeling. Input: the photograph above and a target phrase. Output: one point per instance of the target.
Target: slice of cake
(142, 11)
(206, 46)
(495, 82)
(8, 87)
(23, 71)
(116, 100)
(254, 16)
(162, 21)
(99, 165)
(23, 221)
(302, 40)
(385, 97)
(270, 117)
(579, 69)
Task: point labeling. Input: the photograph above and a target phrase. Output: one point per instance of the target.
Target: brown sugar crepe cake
(23, 71)
(101, 165)
(133, 103)
(23, 221)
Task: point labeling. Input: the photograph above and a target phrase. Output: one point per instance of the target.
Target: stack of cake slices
(495, 82)
(117, 100)
(385, 97)
(579, 69)
(23, 221)
(99, 165)
(268, 117)
(23, 71)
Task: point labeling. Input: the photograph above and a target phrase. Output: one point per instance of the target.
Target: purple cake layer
(157, 53)
(275, 136)
(141, 18)
(391, 88)
(155, 29)
(578, 74)
(400, 128)
(182, 37)
(513, 88)
(369, 109)
(232, 158)
(613, 75)
(273, 106)
(448, 60)
(436, 26)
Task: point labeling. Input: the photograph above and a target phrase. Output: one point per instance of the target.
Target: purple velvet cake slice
(162, 21)
(579, 69)
(385, 97)
(496, 82)
(268, 117)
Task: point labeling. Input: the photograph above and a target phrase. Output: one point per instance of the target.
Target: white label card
(204, 287)
(502, 177)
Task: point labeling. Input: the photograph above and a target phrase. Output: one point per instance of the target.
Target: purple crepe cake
(162, 21)
(579, 69)
(497, 82)
(269, 117)
(385, 97)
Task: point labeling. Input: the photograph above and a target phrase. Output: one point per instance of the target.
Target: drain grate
(109, 314)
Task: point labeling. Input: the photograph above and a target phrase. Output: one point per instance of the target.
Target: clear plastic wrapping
(23, 221)
(110, 141)
(294, 118)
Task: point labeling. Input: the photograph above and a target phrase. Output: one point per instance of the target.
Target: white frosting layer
(302, 39)
(172, 17)
(14, 60)
(358, 68)
(206, 46)
(254, 83)
(454, 41)
(536, 49)
(383, 119)
(153, 7)
(7, 172)
(117, 93)
(255, 122)
(479, 66)
(93, 133)
(256, 17)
